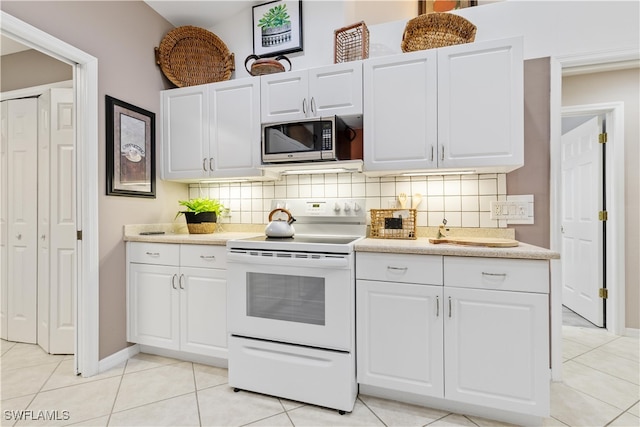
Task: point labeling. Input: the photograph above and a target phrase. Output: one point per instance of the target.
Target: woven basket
(379, 229)
(191, 56)
(351, 43)
(432, 30)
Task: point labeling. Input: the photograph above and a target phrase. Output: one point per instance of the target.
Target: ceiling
(204, 14)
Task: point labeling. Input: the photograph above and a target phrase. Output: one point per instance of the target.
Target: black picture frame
(277, 40)
(131, 150)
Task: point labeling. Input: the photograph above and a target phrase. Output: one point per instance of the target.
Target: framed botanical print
(277, 28)
(130, 150)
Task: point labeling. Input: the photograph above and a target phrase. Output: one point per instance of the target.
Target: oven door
(297, 298)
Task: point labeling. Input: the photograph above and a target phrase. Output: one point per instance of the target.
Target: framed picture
(131, 145)
(277, 28)
(428, 6)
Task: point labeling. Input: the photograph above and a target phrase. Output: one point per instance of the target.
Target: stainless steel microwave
(325, 138)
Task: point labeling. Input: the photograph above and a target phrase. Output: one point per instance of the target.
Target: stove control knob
(336, 207)
(347, 208)
(356, 207)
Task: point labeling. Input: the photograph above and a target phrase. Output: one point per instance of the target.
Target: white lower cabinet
(177, 296)
(482, 341)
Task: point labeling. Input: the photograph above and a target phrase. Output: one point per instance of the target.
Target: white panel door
(62, 224)
(400, 112)
(497, 350)
(481, 105)
(582, 269)
(235, 127)
(4, 188)
(185, 133)
(336, 90)
(399, 336)
(22, 219)
(284, 96)
(203, 307)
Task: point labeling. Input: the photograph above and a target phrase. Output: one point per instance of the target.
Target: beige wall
(616, 86)
(533, 177)
(121, 35)
(31, 68)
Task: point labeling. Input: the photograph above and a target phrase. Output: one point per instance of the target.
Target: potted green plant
(276, 26)
(201, 214)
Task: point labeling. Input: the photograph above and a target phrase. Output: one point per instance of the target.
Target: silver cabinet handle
(43, 237)
(442, 153)
(173, 281)
(431, 158)
(211, 164)
(494, 274)
(181, 281)
(313, 105)
(304, 106)
(449, 306)
(204, 164)
(389, 267)
(207, 257)
(437, 306)
(153, 253)
(19, 236)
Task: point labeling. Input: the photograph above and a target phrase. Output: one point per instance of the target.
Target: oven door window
(299, 299)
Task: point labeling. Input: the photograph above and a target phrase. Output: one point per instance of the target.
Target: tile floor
(601, 387)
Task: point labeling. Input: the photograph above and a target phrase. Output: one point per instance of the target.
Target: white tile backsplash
(464, 200)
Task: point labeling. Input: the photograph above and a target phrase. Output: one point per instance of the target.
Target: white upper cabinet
(459, 107)
(185, 132)
(481, 105)
(400, 113)
(317, 92)
(211, 131)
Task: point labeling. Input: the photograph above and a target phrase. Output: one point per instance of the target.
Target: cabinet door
(481, 105)
(185, 133)
(153, 305)
(497, 349)
(203, 304)
(284, 96)
(399, 336)
(235, 127)
(336, 90)
(400, 112)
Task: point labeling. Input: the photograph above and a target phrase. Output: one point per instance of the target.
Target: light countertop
(422, 246)
(177, 234)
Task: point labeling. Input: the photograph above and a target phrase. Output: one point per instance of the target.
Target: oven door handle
(338, 262)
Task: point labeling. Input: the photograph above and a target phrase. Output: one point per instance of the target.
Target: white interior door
(62, 223)
(22, 139)
(582, 261)
(4, 277)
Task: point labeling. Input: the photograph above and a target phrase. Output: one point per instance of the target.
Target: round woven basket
(191, 56)
(432, 30)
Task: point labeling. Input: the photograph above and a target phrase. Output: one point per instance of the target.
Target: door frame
(85, 71)
(613, 112)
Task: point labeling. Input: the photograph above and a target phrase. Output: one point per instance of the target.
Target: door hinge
(603, 293)
(603, 216)
(79, 235)
(602, 138)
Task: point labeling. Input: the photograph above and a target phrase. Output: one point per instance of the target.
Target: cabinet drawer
(497, 273)
(154, 253)
(425, 269)
(206, 256)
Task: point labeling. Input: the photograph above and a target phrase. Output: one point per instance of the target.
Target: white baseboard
(117, 358)
(630, 332)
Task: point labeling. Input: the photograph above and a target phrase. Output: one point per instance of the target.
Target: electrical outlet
(515, 210)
